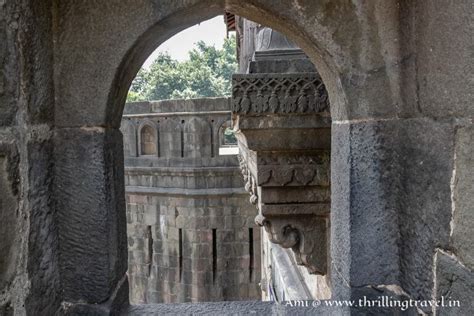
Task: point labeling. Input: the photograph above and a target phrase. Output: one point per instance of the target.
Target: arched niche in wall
(129, 138)
(227, 140)
(197, 138)
(148, 140)
(170, 137)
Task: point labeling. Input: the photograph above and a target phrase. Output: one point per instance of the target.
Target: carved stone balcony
(282, 124)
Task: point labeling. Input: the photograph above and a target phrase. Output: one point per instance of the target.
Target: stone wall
(399, 78)
(191, 231)
(29, 273)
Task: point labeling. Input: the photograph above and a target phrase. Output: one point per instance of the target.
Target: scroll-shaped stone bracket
(294, 212)
(306, 235)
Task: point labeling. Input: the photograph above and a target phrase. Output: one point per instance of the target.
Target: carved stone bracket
(305, 235)
(293, 209)
(282, 127)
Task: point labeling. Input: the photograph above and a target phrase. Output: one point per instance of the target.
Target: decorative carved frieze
(294, 170)
(279, 93)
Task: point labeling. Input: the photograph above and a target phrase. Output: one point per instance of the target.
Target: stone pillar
(90, 208)
(282, 123)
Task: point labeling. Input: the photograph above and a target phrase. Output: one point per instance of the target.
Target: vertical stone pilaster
(90, 210)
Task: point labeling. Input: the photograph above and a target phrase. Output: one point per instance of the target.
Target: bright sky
(212, 32)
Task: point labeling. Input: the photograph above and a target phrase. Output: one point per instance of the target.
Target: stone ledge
(179, 170)
(178, 105)
(166, 114)
(185, 192)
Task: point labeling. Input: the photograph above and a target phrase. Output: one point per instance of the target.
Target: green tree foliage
(229, 137)
(207, 73)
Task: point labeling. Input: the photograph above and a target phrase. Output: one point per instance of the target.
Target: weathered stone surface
(129, 132)
(390, 59)
(340, 237)
(444, 71)
(191, 232)
(37, 61)
(117, 302)
(426, 150)
(234, 308)
(9, 64)
(462, 223)
(453, 283)
(166, 107)
(365, 192)
(90, 208)
(399, 179)
(8, 214)
(7, 309)
(197, 138)
(281, 66)
(43, 249)
(367, 299)
(26, 107)
(26, 59)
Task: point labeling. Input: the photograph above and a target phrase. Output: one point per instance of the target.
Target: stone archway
(97, 122)
(100, 88)
(401, 130)
(90, 94)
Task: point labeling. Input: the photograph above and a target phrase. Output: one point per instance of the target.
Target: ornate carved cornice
(279, 93)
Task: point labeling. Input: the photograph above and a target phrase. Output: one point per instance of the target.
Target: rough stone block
(44, 295)
(8, 214)
(453, 283)
(9, 65)
(364, 188)
(444, 72)
(425, 210)
(463, 214)
(399, 174)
